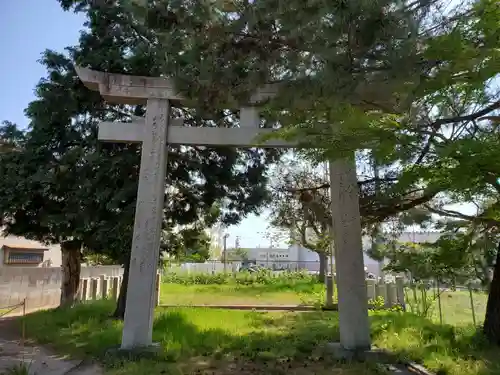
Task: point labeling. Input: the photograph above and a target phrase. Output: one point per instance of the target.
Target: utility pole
(329, 278)
(330, 232)
(376, 230)
(225, 252)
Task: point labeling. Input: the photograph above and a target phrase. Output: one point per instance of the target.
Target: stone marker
(391, 295)
(382, 290)
(400, 291)
(329, 291)
(158, 131)
(371, 289)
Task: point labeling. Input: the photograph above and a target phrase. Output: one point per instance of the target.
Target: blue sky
(28, 27)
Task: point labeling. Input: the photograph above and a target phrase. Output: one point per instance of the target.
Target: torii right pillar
(352, 295)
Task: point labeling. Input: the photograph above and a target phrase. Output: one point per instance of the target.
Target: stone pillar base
(363, 355)
(134, 354)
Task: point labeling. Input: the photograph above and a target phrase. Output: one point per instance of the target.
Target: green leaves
(217, 56)
(63, 183)
(456, 258)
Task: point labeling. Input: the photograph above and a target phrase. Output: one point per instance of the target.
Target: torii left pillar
(138, 324)
(153, 133)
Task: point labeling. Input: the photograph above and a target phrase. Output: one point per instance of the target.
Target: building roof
(23, 247)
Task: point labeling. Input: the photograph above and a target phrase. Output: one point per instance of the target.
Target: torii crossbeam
(159, 130)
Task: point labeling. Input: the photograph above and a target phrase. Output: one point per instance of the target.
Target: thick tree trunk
(71, 267)
(491, 326)
(122, 297)
(323, 263)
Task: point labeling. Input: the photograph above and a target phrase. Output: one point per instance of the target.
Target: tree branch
(474, 116)
(458, 215)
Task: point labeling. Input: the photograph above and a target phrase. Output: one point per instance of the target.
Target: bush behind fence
(238, 278)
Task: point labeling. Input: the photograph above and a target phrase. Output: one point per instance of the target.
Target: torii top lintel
(128, 89)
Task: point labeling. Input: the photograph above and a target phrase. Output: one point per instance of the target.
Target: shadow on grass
(83, 330)
(252, 334)
(189, 332)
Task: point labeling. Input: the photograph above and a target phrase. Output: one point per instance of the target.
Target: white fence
(392, 293)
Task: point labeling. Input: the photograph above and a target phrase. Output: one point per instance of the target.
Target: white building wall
(216, 234)
(299, 257)
(52, 255)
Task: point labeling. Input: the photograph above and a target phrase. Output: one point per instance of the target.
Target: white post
(93, 290)
(157, 290)
(85, 289)
(102, 279)
(352, 295)
(114, 288)
(138, 323)
(400, 290)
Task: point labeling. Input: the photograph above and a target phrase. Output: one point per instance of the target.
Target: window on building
(20, 255)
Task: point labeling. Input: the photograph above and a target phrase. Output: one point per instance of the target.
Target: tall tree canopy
(63, 186)
(407, 79)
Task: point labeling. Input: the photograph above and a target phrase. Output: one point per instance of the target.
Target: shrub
(240, 278)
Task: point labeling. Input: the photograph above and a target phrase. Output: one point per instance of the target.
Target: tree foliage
(455, 259)
(63, 185)
(320, 50)
(299, 214)
(289, 181)
(187, 245)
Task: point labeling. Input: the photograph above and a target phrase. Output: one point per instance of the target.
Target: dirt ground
(16, 352)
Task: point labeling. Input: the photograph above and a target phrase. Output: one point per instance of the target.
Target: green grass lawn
(226, 294)
(211, 341)
(455, 307)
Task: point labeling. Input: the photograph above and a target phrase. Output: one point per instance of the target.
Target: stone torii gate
(156, 133)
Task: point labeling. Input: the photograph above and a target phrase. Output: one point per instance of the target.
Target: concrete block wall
(41, 286)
